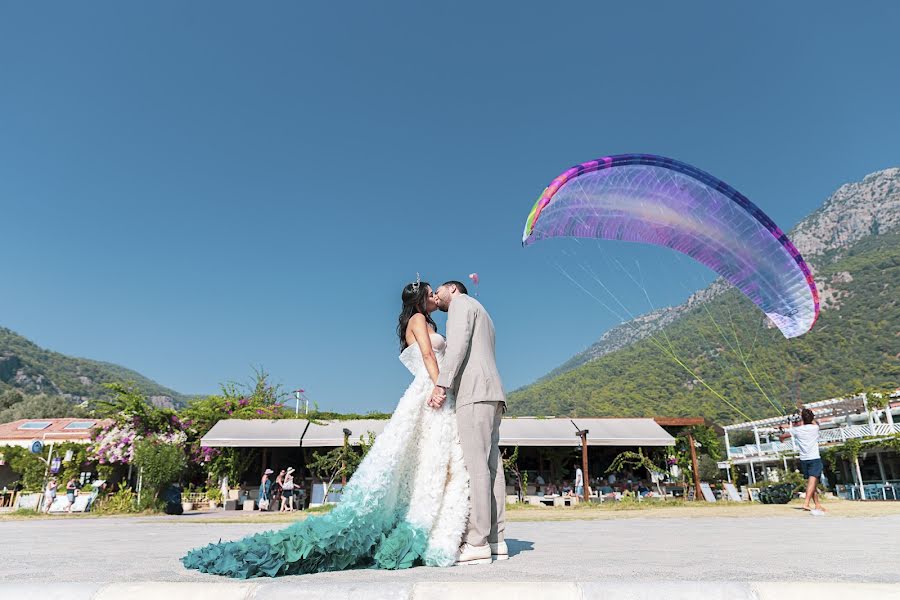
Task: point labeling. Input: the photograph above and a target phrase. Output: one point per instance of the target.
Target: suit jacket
(470, 367)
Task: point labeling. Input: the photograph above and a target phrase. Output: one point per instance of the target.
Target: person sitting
(551, 489)
(567, 489)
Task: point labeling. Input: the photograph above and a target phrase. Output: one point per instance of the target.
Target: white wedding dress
(407, 503)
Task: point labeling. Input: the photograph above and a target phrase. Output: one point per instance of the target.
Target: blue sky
(191, 189)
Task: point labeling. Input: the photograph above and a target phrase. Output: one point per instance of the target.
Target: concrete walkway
(629, 558)
(594, 590)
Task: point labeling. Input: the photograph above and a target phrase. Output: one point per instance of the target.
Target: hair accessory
(417, 283)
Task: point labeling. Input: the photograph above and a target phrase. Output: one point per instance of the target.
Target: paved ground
(788, 547)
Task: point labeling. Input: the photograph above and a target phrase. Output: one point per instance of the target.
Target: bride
(406, 504)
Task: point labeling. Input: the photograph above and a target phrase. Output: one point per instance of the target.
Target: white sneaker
(474, 555)
(817, 513)
(499, 551)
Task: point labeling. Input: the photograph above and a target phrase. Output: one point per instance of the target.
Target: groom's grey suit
(470, 372)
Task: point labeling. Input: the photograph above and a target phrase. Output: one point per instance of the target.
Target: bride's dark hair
(414, 299)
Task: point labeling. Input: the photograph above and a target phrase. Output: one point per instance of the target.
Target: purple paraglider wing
(660, 201)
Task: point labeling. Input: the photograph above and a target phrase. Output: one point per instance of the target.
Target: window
(35, 425)
(80, 425)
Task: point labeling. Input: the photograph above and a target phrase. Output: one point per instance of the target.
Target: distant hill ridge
(850, 242)
(27, 367)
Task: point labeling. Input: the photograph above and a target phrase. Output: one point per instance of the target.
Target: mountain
(27, 367)
(852, 244)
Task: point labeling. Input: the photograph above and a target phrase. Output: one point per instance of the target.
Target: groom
(470, 372)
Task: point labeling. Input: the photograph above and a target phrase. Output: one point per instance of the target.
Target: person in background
(287, 491)
(50, 494)
(265, 490)
(579, 482)
(277, 492)
(806, 440)
(71, 489)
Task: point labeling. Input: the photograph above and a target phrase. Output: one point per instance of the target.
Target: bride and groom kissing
(431, 489)
(469, 373)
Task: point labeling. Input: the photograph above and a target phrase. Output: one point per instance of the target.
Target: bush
(122, 501)
(779, 493)
(161, 464)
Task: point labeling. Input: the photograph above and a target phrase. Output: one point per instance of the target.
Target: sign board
(708, 494)
(754, 494)
(55, 464)
(37, 446)
(732, 493)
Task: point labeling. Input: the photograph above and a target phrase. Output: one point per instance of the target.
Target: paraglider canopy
(664, 202)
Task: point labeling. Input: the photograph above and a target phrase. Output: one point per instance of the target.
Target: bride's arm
(419, 328)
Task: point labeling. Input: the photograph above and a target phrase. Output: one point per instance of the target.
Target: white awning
(331, 433)
(624, 432)
(514, 431)
(535, 431)
(256, 433)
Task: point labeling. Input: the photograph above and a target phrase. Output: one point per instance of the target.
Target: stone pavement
(597, 590)
(635, 558)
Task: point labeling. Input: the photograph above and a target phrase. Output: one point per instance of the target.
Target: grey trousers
(479, 436)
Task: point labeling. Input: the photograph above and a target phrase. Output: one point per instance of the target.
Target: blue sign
(37, 446)
(55, 464)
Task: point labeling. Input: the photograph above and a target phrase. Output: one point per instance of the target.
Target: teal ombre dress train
(406, 504)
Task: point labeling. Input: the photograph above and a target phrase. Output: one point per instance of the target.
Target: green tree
(340, 461)
(160, 465)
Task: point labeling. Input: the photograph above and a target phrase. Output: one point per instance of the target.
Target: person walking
(265, 490)
(287, 491)
(50, 494)
(71, 490)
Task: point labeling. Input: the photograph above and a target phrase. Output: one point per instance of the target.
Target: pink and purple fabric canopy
(664, 202)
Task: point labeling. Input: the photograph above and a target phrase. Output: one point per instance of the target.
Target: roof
(256, 433)
(331, 433)
(625, 432)
(68, 429)
(514, 431)
(538, 431)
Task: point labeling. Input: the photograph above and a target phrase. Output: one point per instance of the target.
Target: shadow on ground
(518, 546)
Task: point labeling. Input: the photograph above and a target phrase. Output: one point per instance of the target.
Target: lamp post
(298, 394)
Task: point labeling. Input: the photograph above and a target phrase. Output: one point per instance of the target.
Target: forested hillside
(30, 369)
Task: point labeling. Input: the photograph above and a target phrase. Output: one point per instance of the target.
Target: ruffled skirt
(406, 504)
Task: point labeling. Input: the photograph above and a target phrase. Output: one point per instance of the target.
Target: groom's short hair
(459, 285)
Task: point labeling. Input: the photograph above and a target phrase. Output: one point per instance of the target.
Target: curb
(589, 590)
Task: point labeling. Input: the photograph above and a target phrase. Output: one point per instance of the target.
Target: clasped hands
(438, 397)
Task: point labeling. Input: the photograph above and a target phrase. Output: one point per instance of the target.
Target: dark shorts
(287, 493)
(811, 468)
